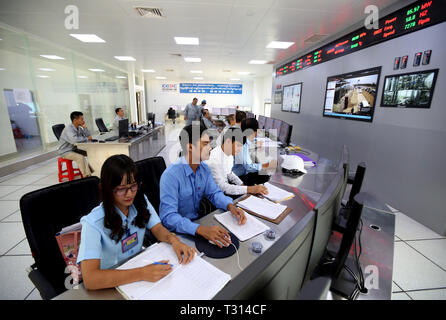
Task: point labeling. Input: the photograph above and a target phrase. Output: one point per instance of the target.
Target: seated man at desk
(75, 132)
(114, 231)
(222, 160)
(244, 167)
(119, 116)
(184, 183)
(207, 120)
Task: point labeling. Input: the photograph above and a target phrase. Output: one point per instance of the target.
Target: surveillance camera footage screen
(352, 95)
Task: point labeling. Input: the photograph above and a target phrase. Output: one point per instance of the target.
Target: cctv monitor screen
(123, 128)
(224, 111)
(352, 95)
(285, 133)
(409, 90)
(216, 111)
(261, 121)
(268, 123)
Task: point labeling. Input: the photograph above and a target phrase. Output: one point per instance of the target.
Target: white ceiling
(231, 32)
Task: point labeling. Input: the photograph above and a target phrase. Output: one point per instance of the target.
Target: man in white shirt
(221, 162)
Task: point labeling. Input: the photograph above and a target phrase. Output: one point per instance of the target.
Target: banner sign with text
(214, 88)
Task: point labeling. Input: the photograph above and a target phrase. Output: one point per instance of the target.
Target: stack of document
(262, 207)
(276, 194)
(197, 280)
(250, 229)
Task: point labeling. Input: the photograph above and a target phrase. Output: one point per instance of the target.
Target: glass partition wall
(41, 84)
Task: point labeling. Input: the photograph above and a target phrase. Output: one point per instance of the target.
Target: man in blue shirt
(192, 112)
(185, 182)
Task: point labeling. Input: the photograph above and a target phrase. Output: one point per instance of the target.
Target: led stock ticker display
(411, 18)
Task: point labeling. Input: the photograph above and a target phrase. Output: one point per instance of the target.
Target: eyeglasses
(122, 191)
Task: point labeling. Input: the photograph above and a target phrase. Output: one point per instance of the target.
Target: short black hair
(117, 110)
(240, 116)
(187, 136)
(194, 99)
(250, 123)
(233, 133)
(203, 111)
(75, 115)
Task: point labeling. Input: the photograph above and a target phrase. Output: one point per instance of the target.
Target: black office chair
(149, 173)
(44, 213)
(101, 125)
(57, 130)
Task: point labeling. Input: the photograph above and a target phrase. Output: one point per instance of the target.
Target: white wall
(165, 99)
(262, 93)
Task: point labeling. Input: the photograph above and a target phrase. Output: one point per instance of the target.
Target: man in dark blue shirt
(184, 183)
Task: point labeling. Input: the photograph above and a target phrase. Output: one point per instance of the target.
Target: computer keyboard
(113, 138)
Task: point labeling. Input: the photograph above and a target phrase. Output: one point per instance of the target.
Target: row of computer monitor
(223, 111)
(283, 129)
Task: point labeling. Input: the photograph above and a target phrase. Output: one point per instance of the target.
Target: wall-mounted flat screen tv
(352, 95)
(409, 90)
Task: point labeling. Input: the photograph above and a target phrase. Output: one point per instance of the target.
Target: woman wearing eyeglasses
(114, 231)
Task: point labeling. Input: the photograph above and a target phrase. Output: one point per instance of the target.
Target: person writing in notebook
(184, 183)
(114, 231)
(222, 160)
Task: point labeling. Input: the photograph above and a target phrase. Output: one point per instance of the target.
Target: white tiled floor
(419, 270)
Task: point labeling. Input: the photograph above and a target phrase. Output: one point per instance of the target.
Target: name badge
(129, 242)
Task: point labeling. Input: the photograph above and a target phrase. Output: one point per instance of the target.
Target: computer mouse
(212, 242)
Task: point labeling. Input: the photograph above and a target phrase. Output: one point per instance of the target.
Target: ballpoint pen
(163, 263)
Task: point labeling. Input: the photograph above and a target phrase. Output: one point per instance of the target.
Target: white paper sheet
(250, 229)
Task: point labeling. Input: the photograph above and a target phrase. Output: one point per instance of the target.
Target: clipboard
(276, 221)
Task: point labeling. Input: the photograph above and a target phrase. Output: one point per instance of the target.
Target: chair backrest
(101, 125)
(149, 173)
(45, 212)
(57, 130)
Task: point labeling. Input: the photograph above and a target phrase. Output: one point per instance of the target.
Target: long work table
(377, 244)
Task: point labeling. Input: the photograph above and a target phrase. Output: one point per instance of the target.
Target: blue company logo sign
(214, 88)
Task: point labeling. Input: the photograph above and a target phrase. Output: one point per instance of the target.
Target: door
(23, 117)
(267, 109)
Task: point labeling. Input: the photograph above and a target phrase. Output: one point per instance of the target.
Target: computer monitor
(261, 121)
(216, 111)
(249, 115)
(101, 125)
(285, 133)
(268, 123)
(151, 117)
(123, 128)
(277, 124)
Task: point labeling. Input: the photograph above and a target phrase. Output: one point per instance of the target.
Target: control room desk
(147, 145)
(377, 247)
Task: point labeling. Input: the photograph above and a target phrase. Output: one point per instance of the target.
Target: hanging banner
(213, 88)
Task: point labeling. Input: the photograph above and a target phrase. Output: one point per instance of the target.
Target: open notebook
(197, 280)
(250, 229)
(277, 194)
(263, 207)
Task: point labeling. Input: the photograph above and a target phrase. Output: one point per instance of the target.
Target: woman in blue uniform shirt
(114, 230)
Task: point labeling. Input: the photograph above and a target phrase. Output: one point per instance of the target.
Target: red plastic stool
(70, 172)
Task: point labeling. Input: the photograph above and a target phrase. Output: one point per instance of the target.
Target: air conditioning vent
(176, 55)
(315, 38)
(226, 70)
(149, 12)
(169, 70)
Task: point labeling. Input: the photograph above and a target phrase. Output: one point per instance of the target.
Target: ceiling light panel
(187, 41)
(91, 38)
